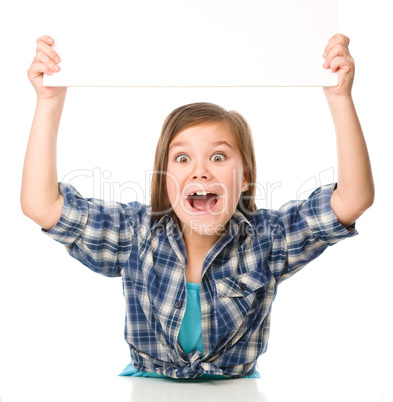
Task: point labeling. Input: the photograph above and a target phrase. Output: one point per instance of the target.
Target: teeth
(202, 193)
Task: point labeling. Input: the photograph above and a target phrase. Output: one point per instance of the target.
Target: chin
(203, 227)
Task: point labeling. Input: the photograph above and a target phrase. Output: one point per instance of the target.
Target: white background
(331, 322)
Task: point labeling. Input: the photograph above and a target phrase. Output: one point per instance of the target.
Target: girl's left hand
(338, 58)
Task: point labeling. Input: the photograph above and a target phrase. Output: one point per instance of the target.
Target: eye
(218, 157)
(181, 158)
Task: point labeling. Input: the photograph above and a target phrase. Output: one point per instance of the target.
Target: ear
(246, 180)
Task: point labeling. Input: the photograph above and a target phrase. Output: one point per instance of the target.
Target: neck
(197, 244)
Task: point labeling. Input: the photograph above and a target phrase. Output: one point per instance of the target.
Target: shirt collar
(240, 224)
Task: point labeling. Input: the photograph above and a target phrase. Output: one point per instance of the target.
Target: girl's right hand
(45, 61)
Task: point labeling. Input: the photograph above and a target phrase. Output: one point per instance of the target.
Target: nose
(202, 177)
(200, 171)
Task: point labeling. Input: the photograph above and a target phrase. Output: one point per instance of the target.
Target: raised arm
(355, 188)
(40, 198)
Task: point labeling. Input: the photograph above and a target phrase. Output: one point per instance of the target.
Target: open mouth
(203, 201)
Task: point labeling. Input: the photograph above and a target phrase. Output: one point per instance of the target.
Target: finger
(43, 46)
(47, 39)
(341, 63)
(337, 50)
(39, 68)
(42, 57)
(340, 36)
(334, 40)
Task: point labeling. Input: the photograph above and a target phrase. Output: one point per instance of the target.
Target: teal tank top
(190, 335)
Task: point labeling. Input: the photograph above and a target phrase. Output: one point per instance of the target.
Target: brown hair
(191, 115)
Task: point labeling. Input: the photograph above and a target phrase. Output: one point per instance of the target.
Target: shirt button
(243, 286)
(177, 304)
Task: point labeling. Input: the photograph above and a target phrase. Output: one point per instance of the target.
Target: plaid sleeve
(95, 232)
(304, 230)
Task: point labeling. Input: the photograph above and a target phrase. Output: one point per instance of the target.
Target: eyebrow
(215, 143)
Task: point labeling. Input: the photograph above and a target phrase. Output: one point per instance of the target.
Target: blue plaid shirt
(240, 275)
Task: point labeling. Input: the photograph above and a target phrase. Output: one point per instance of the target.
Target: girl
(201, 265)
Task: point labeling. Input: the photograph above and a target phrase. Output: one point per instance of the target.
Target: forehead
(211, 133)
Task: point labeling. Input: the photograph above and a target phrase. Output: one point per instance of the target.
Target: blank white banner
(176, 43)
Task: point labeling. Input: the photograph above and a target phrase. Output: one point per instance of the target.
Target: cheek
(171, 190)
(232, 180)
(173, 186)
(239, 177)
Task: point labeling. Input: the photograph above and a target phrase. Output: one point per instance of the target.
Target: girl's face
(205, 159)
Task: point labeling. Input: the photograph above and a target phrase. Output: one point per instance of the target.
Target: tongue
(201, 203)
